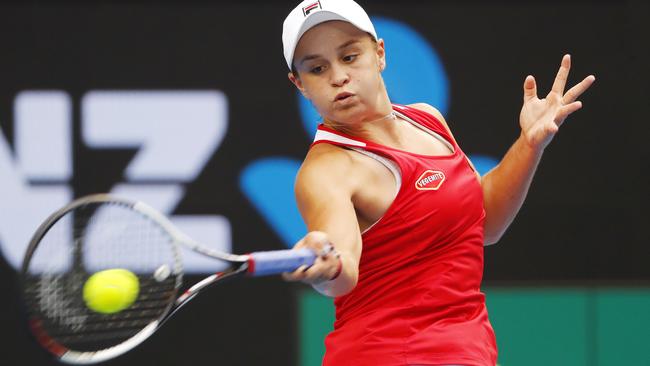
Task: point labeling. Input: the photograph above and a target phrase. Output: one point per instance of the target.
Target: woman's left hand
(540, 119)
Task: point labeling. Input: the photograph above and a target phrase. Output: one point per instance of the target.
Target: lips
(342, 96)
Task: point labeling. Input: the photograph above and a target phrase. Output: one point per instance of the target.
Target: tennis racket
(100, 232)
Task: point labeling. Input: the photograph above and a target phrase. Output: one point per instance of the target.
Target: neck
(389, 116)
(367, 128)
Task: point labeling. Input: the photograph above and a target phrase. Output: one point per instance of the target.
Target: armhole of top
(431, 132)
(392, 167)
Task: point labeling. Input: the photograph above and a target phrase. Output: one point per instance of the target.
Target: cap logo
(430, 180)
(307, 9)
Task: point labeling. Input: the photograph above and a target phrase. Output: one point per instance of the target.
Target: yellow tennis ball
(111, 290)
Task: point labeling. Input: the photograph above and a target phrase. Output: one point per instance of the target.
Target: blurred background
(186, 105)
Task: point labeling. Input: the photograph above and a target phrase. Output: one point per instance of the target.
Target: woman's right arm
(324, 188)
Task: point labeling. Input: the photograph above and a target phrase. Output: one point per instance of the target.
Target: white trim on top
(326, 135)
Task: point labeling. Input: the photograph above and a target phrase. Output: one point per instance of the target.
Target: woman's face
(339, 69)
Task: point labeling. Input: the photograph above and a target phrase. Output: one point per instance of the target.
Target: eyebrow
(344, 45)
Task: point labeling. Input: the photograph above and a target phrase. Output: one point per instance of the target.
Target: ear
(295, 80)
(381, 54)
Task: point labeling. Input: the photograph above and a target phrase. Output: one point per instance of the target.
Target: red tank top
(418, 298)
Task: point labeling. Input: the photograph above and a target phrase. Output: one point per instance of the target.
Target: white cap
(310, 13)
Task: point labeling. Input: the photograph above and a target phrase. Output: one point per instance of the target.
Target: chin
(352, 113)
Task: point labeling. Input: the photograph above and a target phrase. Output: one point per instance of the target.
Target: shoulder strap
(427, 120)
(427, 123)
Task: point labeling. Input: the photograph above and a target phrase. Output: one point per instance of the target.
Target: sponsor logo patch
(309, 8)
(430, 180)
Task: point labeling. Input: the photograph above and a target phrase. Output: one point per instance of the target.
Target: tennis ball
(111, 290)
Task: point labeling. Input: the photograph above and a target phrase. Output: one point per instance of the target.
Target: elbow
(492, 236)
(494, 228)
(341, 291)
(491, 240)
(332, 289)
(340, 286)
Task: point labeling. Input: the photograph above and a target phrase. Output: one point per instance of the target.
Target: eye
(316, 70)
(350, 58)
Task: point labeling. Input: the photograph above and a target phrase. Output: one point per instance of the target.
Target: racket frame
(242, 265)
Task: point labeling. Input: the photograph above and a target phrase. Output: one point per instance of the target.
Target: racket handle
(278, 261)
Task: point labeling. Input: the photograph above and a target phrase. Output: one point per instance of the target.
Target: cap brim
(312, 21)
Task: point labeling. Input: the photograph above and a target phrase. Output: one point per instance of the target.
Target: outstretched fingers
(565, 111)
(578, 89)
(530, 88)
(562, 75)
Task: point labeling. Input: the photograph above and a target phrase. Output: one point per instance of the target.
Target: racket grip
(278, 261)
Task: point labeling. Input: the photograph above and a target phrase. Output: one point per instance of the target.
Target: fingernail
(301, 268)
(327, 249)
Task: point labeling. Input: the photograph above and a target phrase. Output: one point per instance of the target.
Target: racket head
(89, 235)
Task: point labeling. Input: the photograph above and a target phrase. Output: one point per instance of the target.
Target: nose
(339, 76)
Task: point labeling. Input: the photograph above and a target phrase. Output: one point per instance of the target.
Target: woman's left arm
(505, 187)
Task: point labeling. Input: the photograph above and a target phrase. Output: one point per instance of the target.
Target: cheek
(368, 71)
(369, 81)
(317, 95)
(312, 88)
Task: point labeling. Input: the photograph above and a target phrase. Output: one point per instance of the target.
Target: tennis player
(390, 188)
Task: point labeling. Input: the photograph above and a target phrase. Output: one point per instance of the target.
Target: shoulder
(326, 168)
(427, 108)
(325, 156)
(432, 111)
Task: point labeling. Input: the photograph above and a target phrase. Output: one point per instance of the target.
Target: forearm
(505, 187)
(325, 225)
(343, 283)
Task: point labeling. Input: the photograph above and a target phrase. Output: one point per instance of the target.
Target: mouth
(342, 96)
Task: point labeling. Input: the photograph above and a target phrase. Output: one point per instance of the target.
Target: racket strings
(71, 323)
(87, 240)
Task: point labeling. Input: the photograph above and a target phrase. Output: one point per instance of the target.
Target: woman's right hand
(327, 265)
